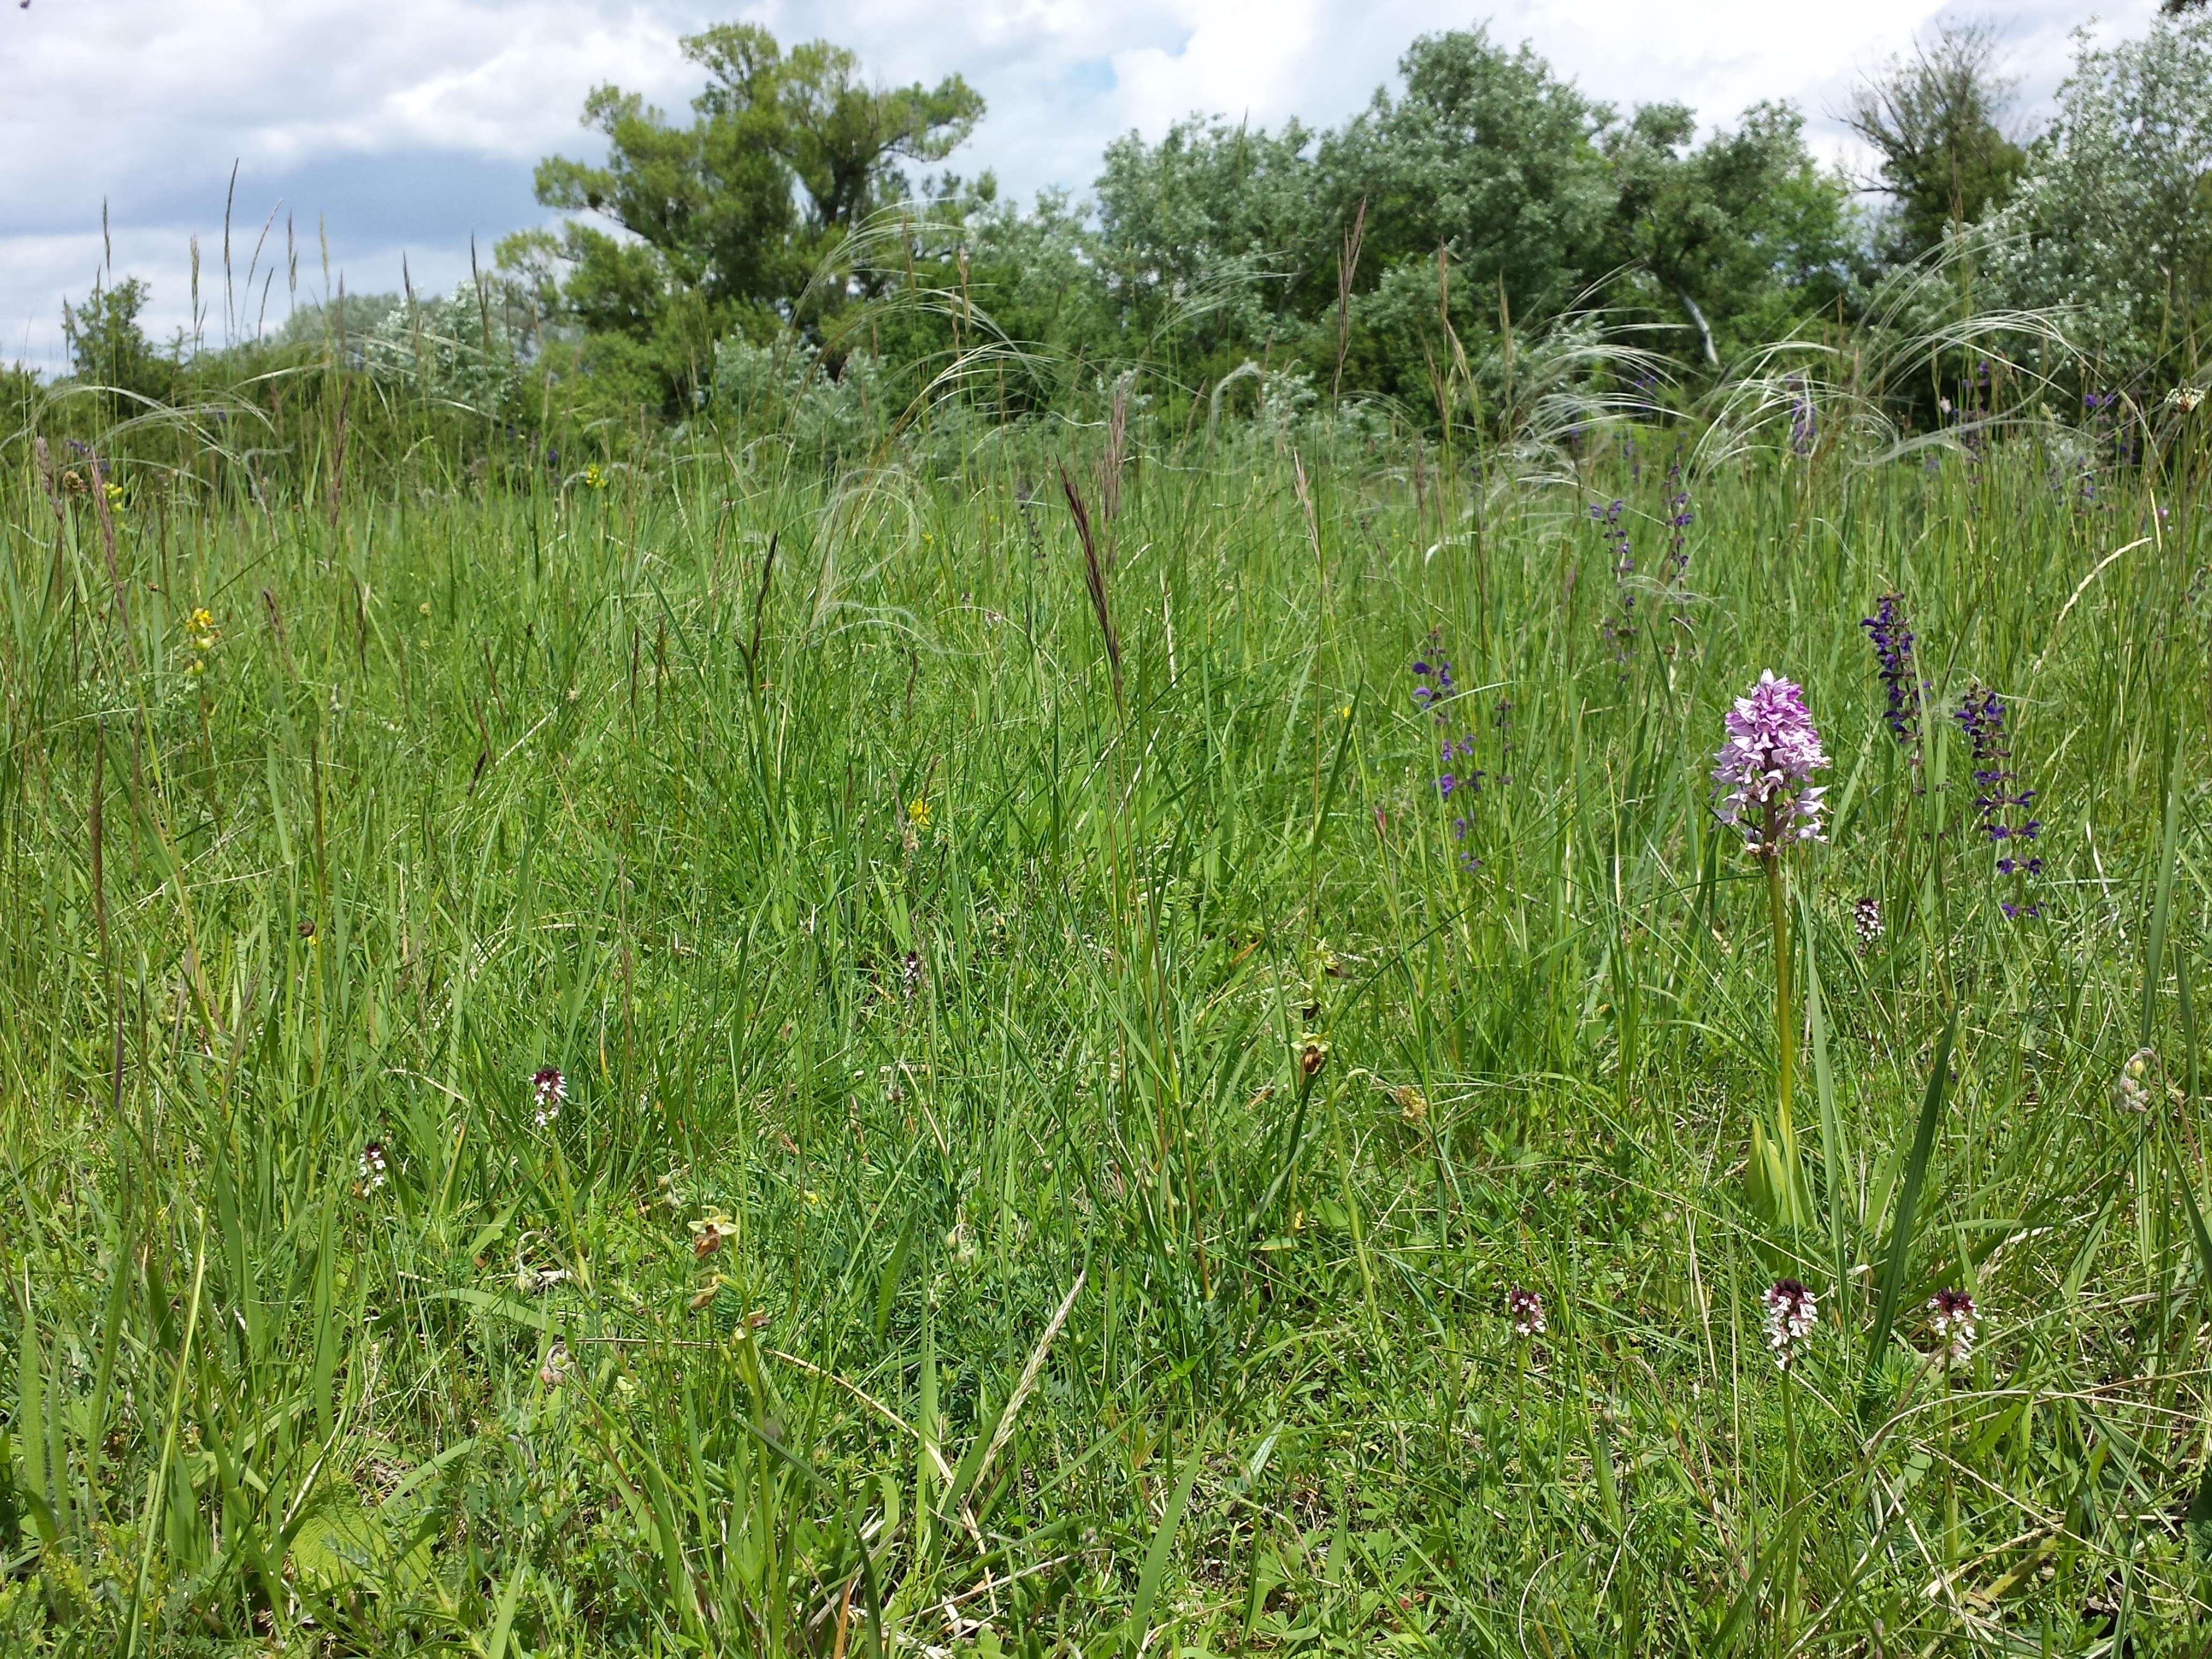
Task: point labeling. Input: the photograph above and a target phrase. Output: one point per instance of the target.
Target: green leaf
(536, 1318)
(503, 1621)
(1824, 1086)
(2169, 846)
(1908, 1207)
(1156, 1559)
(887, 1282)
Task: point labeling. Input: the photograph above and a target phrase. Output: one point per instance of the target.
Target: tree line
(783, 237)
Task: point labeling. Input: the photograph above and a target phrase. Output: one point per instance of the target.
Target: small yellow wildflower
(594, 477)
(202, 621)
(814, 1199)
(115, 496)
(917, 811)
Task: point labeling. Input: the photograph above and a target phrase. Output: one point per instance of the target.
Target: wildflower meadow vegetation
(1198, 1048)
(764, 940)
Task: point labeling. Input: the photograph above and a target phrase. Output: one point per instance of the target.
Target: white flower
(1953, 1315)
(1790, 1312)
(1526, 1310)
(548, 1088)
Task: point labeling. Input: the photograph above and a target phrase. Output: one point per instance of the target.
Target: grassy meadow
(1055, 1092)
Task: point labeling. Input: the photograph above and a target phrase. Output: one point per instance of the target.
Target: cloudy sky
(405, 127)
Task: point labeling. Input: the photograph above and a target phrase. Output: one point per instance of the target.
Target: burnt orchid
(1526, 1310)
(1791, 1313)
(1952, 1316)
(548, 1089)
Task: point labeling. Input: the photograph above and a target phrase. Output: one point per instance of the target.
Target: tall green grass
(1120, 1095)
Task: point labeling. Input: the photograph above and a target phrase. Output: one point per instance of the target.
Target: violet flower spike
(1981, 718)
(1765, 767)
(1891, 635)
(1680, 517)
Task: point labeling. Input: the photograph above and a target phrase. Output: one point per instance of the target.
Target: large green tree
(109, 347)
(1935, 121)
(1488, 154)
(1738, 232)
(2112, 229)
(1488, 194)
(1479, 191)
(1216, 233)
(703, 232)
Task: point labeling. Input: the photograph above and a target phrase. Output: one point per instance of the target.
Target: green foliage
(1935, 123)
(1489, 154)
(109, 350)
(2114, 221)
(1219, 234)
(341, 324)
(1484, 250)
(713, 243)
(785, 388)
(455, 350)
(1743, 233)
(1490, 195)
(1040, 1167)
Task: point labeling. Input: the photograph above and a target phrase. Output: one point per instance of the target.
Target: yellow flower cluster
(199, 624)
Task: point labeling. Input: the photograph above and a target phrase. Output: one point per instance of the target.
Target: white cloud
(409, 123)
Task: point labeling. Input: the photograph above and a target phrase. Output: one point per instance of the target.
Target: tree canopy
(792, 208)
(709, 236)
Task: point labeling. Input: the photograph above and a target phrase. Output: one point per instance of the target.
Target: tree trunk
(1704, 330)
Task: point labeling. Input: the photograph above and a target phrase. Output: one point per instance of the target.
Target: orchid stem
(1785, 1024)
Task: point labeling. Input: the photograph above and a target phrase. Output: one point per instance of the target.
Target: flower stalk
(1764, 771)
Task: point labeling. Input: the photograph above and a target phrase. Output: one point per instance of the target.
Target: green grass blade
(1908, 1211)
(1833, 1153)
(2162, 904)
(1138, 1628)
